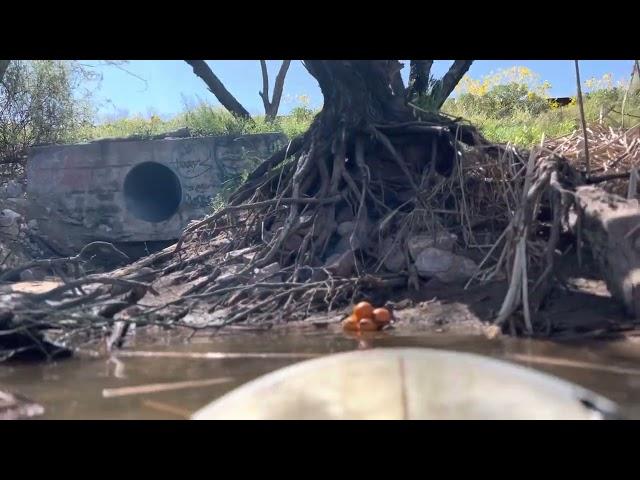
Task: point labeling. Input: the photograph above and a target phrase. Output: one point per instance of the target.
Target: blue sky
(167, 83)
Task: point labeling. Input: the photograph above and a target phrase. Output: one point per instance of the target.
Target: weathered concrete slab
(134, 190)
(610, 226)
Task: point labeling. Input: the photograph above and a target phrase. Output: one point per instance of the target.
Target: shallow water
(172, 377)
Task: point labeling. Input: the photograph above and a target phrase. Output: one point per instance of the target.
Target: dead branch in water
(75, 260)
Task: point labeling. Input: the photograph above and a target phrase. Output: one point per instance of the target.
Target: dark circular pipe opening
(152, 192)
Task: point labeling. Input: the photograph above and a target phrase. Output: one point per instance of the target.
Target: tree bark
(264, 93)
(271, 107)
(358, 91)
(228, 101)
(445, 86)
(397, 85)
(4, 64)
(419, 77)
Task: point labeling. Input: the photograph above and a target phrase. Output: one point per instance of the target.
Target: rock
(442, 241)
(11, 190)
(32, 224)
(318, 274)
(361, 237)
(345, 228)
(443, 265)
(292, 242)
(262, 273)
(393, 256)
(10, 223)
(341, 264)
(20, 205)
(401, 304)
(344, 245)
(32, 274)
(9, 216)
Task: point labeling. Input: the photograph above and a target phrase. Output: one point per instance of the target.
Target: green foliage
(203, 119)
(125, 127)
(512, 106)
(297, 122)
(41, 102)
(504, 101)
(227, 188)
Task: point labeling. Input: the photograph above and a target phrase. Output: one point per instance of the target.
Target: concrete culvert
(152, 192)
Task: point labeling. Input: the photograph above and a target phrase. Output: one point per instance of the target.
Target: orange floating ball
(363, 310)
(351, 323)
(368, 325)
(382, 316)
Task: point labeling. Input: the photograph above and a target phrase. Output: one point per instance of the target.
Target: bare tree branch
(271, 107)
(446, 85)
(264, 94)
(119, 65)
(228, 101)
(4, 64)
(278, 87)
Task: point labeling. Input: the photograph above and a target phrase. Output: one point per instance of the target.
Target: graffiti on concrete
(196, 195)
(231, 163)
(192, 160)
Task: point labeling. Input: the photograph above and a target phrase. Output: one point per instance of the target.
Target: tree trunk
(4, 64)
(419, 77)
(228, 101)
(359, 89)
(271, 106)
(362, 157)
(445, 86)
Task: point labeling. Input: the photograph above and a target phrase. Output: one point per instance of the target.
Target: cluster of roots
(313, 227)
(326, 222)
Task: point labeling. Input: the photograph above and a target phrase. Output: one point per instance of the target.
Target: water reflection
(187, 370)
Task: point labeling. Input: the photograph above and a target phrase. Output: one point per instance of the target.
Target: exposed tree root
(327, 220)
(305, 233)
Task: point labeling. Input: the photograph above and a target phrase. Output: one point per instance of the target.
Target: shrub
(513, 106)
(40, 102)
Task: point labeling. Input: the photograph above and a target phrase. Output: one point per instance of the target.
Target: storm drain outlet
(152, 192)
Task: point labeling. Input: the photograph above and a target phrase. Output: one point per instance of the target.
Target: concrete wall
(86, 192)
